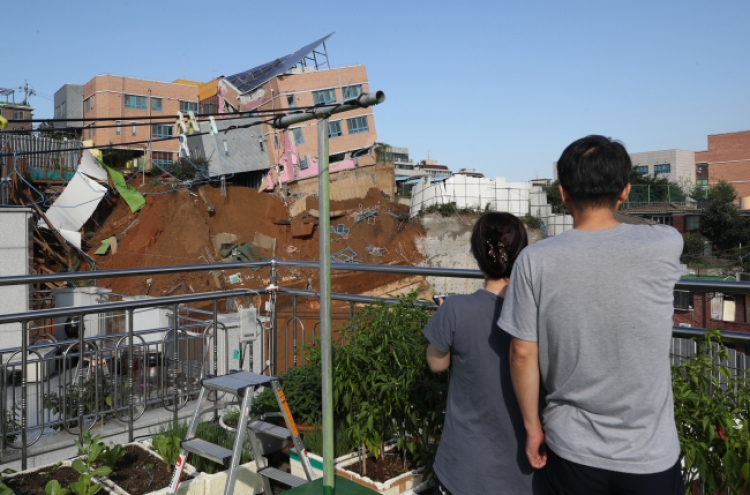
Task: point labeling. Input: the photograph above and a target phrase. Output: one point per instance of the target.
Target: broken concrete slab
(302, 227)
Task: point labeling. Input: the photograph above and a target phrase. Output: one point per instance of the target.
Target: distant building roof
(631, 219)
(433, 167)
(659, 207)
(250, 79)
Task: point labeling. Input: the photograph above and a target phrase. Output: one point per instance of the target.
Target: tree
(647, 188)
(554, 199)
(722, 222)
(693, 244)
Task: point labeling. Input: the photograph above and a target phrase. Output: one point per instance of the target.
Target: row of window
(692, 222)
(723, 306)
(662, 168)
(354, 125)
(328, 96)
(141, 103)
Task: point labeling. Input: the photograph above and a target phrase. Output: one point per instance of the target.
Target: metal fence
(119, 374)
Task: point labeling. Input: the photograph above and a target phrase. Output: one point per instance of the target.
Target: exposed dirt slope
(174, 228)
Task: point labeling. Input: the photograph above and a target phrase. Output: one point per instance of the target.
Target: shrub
(713, 423)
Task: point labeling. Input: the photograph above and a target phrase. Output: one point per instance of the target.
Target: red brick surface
(728, 158)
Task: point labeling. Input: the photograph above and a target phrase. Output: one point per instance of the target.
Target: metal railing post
(24, 395)
(216, 354)
(131, 382)
(175, 356)
(81, 343)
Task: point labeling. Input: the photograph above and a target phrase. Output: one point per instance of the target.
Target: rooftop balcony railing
(125, 381)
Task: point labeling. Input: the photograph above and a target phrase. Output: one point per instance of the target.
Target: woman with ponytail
(482, 445)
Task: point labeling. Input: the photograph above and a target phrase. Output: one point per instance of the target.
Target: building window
(87, 105)
(693, 222)
(137, 102)
(701, 174)
(334, 129)
(324, 97)
(663, 168)
(298, 137)
(357, 124)
(303, 164)
(262, 144)
(156, 104)
(291, 101)
(161, 157)
(663, 220)
(18, 114)
(276, 141)
(188, 106)
(641, 169)
(135, 130)
(162, 131)
(350, 92)
(117, 129)
(683, 300)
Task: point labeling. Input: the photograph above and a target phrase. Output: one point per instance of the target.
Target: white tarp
(91, 167)
(74, 207)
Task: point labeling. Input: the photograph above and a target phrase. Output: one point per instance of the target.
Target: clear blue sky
(496, 85)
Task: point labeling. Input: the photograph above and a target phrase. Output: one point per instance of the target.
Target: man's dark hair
(496, 241)
(593, 171)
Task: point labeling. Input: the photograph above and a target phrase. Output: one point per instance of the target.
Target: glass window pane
(156, 104)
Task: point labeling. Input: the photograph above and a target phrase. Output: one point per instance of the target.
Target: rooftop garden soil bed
(33, 483)
(139, 472)
(383, 468)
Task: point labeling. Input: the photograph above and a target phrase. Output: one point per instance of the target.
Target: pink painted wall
(288, 165)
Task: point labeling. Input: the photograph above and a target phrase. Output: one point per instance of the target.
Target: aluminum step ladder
(244, 385)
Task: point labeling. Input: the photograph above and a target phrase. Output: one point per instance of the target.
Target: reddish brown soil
(383, 468)
(175, 227)
(33, 483)
(139, 472)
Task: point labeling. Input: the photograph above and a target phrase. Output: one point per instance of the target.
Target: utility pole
(26, 92)
(321, 113)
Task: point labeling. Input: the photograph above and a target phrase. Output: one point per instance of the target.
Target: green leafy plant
(382, 385)
(52, 487)
(168, 447)
(4, 490)
(84, 486)
(531, 222)
(302, 388)
(342, 442)
(110, 455)
(90, 451)
(713, 423)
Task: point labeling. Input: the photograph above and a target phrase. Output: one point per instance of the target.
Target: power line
(248, 113)
(120, 145)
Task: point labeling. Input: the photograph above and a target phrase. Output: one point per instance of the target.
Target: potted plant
(383, 390)
(713, 423)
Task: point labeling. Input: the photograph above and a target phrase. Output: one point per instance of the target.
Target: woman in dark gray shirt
(481, 449)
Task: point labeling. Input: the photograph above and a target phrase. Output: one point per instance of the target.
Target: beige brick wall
(302, 86)
(106, 95)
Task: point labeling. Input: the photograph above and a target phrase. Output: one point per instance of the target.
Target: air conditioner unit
(743, 276)
(684, 325)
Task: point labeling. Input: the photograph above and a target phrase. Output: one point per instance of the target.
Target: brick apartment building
(301, 79)
(727, 158)
(132, 99)
(712, 310)
(17, 111)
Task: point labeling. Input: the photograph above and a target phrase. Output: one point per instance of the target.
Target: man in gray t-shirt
(590, 313)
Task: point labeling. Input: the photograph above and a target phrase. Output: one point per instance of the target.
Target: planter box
(66, 463)
(405, 484)
(191, 486)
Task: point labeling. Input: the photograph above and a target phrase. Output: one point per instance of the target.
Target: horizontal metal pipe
(349, 297)
(726, 286)
(728, 336)
(400, 269)
(320, 112)
(128, 272)
(123, 305)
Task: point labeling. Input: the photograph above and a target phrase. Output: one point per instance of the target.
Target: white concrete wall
(15, 225)
(682, 164)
